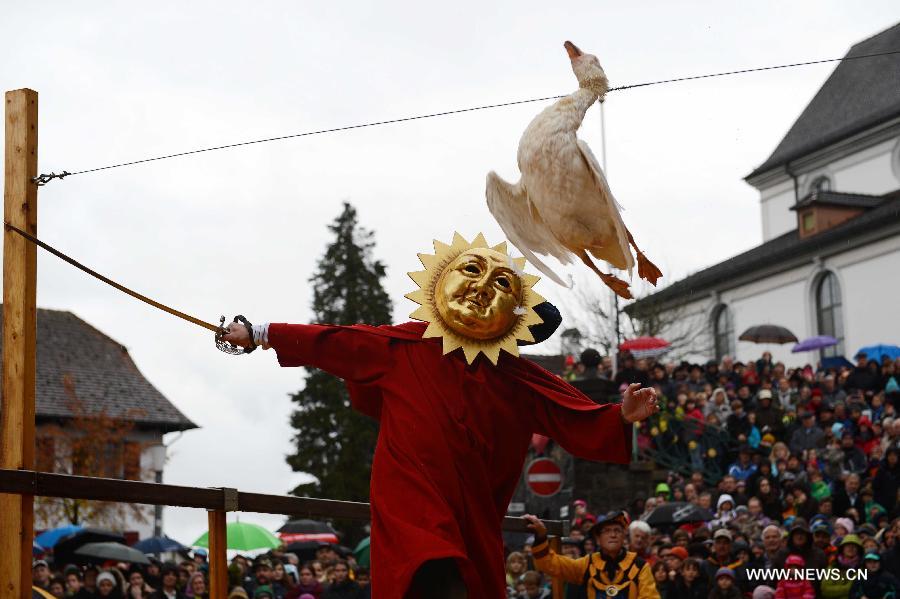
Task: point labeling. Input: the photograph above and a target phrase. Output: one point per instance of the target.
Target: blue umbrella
(814, 343)
(837, 362)
(876, 352)
(49, 538)
(158, 545)
(36, 549)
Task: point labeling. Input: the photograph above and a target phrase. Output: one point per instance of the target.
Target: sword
(219, 330)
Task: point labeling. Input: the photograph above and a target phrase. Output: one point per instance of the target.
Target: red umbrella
(643, 343)
(644, 347)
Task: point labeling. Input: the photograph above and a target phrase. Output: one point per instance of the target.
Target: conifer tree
(333, 442)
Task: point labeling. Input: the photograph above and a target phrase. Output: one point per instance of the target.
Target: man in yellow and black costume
(611, 571)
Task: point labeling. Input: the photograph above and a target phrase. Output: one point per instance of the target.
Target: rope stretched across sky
(43, 179)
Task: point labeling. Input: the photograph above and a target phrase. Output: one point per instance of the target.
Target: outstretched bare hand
(638, 404)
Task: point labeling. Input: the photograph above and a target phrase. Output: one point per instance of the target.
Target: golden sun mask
(475, 297)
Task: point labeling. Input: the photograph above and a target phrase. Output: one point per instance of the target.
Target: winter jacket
(886, 483)
(633, 578)
(732, 593)
(807, 438)
(680, 589)
(348, 589)
(876, 586)
(795, 589)
(836, 587)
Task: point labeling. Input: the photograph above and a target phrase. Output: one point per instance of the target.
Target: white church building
(829, 196)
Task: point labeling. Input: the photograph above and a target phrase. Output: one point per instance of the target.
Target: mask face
(477, 294)
(476, 298)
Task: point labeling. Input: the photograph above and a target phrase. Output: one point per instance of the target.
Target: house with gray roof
(83, 375)
(830, 213)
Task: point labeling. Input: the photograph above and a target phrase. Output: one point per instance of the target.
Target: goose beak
(572, 50)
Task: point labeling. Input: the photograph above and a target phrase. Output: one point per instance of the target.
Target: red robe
(452, 442)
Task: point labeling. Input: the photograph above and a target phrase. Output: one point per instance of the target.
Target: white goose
(562, 205)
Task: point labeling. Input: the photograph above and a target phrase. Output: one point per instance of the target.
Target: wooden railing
(217, 501)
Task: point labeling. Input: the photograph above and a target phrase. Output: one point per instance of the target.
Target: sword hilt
(228, 348)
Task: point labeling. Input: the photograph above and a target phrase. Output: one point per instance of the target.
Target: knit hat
(725, 572)
(679, 552)
(846, 523)
(836, 429)
(795, 560)
(723, 498)
(237, 593)
(821, 526)
(763, 592)
(106, 575)
(262, 591)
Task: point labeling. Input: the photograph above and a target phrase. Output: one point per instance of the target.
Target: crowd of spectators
(795, 468)
(275, 575)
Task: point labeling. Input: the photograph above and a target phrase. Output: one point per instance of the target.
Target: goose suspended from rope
(562, 205)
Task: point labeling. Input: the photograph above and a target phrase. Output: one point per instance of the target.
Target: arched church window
(723, 331)
(829, 316)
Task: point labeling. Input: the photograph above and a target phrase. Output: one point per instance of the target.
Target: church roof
(777, 254)
(837, 198)
(75, 359)
(858, 95)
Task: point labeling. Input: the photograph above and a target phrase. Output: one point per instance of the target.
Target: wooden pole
(19, 333)
(218, 563)
(557, 583)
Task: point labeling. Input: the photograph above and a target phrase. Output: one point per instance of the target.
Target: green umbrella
(243, 536)
(362, 553)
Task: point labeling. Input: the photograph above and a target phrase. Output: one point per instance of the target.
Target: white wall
(869, 171)
(777, 301)
(873, 170)
(869, 277)
(870, 288)
(775, 206)
(145, 528)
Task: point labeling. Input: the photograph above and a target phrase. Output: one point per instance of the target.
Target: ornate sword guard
(228, 348)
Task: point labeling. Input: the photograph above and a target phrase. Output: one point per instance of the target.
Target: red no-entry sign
(544, 477)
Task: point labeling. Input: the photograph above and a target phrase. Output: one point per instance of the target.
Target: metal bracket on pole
(231, 499)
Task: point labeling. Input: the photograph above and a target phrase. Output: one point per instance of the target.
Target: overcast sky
(241, 230)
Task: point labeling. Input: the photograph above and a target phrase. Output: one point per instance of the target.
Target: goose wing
(606, 196)
(523, 225)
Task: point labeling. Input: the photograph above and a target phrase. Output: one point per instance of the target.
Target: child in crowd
(790, 588)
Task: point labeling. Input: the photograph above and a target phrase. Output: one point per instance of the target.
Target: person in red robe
(453, 438)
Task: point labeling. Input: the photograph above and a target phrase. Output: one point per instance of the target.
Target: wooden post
(19, 333)
(218, 563)
(557, 584)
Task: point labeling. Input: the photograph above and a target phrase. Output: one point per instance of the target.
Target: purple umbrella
(814, 343)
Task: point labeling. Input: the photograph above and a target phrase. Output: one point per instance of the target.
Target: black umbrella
(64, 550)
(306, 550)
(158, 545)
(111, 551)
(768, 333)
(678, 512)
(305, 526)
